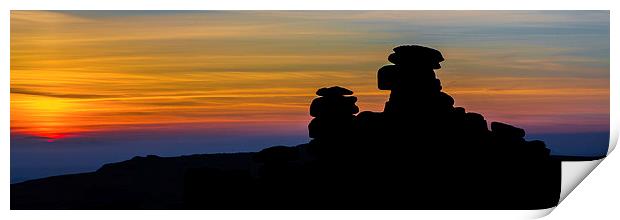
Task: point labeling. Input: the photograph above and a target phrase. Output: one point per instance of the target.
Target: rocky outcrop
(423, 147)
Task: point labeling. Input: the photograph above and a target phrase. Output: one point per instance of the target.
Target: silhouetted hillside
(421, 152)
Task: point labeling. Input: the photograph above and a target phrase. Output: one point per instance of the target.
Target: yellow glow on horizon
(43, 116)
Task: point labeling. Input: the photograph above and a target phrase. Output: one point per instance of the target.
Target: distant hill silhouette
(421, 152)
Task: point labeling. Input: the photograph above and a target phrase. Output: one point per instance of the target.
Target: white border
(583, 204)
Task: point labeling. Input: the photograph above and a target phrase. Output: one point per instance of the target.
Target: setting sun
(44, 117)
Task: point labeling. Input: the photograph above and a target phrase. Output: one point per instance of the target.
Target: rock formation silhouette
(421, 152)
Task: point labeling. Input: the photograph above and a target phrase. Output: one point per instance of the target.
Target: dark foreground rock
(421, 152)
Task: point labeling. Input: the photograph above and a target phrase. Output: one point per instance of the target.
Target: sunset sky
(89, 87)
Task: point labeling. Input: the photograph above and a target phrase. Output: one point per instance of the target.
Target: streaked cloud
(102, 71)
(56, 95)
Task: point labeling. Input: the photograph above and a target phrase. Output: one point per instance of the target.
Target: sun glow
(43, 117)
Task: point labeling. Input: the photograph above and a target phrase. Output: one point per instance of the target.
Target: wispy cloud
(81, 71)
(57, 95)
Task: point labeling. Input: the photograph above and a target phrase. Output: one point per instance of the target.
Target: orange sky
(76, 73)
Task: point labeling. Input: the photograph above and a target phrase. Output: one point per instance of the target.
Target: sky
(92, 87)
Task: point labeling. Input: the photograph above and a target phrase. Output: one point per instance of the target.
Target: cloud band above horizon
(84, 72)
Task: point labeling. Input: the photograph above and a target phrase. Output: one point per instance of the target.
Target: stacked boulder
(333, 114)
(412, 80)
(420, 125)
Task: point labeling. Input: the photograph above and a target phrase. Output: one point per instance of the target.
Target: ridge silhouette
(421, 152)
